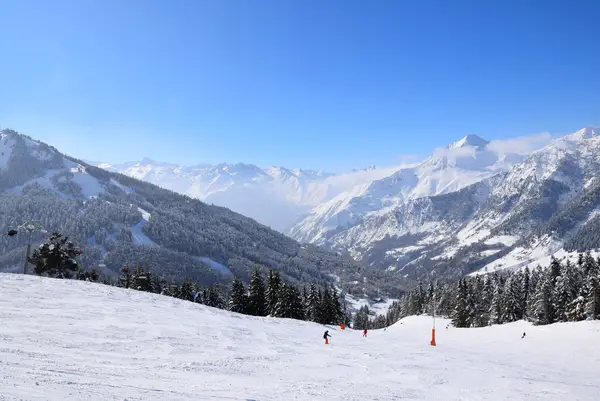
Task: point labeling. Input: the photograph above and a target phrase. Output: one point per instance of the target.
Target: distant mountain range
(470, 205)
(275, 196)
(121, 221)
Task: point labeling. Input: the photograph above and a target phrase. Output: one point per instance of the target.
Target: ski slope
(73, 340)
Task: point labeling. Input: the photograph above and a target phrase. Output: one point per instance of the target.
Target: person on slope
(326, 335)
(365, 333)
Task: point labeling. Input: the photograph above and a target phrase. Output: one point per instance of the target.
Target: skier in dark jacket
(325, 336)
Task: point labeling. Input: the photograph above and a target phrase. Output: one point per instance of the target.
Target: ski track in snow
(138, 236)
(73, 340)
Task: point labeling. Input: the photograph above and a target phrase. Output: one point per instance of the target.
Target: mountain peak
(469, 140)
(586, 133)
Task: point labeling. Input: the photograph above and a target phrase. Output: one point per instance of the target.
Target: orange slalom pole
(433, 337)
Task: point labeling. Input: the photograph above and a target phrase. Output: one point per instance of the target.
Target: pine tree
(576, 310)
(565, 292)
(361, 319)
(336, 307)
(142, 280)
(326, 314)
(239, 299)
(526, 290)
(471, 303)
(214, 298)
(420, 299)
(589, 265)
(461, 315)
(257, 301)
(312, 307)
(536, 275)
(185, 291)
(305, 300)
(272, 291)
(431, 296)
(126, 278)
(497, 309)
(91, 275)
(482, 317)
(543, 307)
(446, 299)
(55, 258)
(157, 284)
(297, 306)
(289, 304)
(592, 306)
(513, 298)
(555, 269)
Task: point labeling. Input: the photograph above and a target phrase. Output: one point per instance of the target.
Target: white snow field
(72, 340)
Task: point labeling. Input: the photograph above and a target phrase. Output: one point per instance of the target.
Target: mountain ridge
(508, 217)
(363, 215)
(119, 221)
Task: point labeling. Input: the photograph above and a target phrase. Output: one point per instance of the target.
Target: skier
(365, 333)
(523, 335)
(326, 335)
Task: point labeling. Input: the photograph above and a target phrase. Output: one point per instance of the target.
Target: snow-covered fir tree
(257, 301)
(592, 306)
(55, 257)
(239, 300)
(312, 306)
(497, 308)
(272, 291)
(461, 312)
(543, 312)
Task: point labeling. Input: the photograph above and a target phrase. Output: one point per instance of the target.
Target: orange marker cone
(433, 337)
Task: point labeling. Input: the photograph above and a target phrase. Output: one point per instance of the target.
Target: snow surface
(74, 340)
(90, 186)
(138, 236)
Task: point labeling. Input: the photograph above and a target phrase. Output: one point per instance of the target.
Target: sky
(330, 85)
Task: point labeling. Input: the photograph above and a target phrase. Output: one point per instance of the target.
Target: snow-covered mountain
(464, 208)
(448, 170)
(275, 196)
(75, 340)
(467, 206)
(121, 221)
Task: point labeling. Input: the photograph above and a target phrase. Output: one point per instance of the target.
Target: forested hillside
(120, 221)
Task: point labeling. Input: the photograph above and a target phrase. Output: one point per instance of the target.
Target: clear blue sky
(311, 84)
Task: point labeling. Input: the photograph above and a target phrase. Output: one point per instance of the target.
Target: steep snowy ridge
(466, 208)
(450, 169)
(107, 343)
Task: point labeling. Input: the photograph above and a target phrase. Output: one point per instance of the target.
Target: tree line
(276, 298)
(563, 292)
